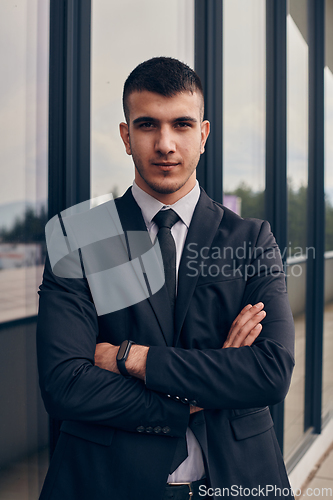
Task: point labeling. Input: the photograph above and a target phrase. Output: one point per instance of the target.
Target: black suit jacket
(119, 435)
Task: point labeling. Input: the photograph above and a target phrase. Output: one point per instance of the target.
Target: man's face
(165, 137)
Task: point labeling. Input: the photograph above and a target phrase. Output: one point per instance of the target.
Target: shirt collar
(184, 207)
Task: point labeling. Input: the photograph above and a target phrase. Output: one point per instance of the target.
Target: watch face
(122, 350)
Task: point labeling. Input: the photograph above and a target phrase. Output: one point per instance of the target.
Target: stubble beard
(160, 187)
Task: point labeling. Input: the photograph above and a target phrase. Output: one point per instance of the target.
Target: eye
(183, 125)
(147, 125)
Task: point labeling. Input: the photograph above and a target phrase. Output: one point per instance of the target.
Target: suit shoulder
(231, 218)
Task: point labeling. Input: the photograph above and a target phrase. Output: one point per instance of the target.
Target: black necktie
(165, 219)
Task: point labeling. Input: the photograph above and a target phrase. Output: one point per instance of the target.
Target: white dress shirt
(192, 468)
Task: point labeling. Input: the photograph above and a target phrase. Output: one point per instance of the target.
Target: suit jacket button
(157, 429)
(194, 402)
(166, 429)
(184, 400)
(140, 428)
(149, 430)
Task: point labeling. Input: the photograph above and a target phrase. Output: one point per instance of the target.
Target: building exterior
(267, 71)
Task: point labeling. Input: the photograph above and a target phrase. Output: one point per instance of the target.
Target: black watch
(122, 356)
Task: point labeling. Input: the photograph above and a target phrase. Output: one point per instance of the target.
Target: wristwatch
(122, 356)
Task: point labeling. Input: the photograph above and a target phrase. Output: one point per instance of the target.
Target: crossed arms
(244, 330)
(80, 382)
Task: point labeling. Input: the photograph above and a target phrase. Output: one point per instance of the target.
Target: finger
(243, 311)
(252, 336)
(247, 316)
(246, 313)
(246, 308)
(241, 331)
(247, 328)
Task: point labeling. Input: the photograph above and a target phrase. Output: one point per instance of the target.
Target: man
(187, 403)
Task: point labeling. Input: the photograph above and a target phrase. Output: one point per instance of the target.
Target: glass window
(327, 391)
(125, 34)
(23, 154)
(297, 172)
(23, 201)
(244, 107)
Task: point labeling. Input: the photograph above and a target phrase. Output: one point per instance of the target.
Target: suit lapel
(132, 220)
(205, 222)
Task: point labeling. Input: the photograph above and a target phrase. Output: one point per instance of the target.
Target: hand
(195, 409)
(246, 327)
(105, 356)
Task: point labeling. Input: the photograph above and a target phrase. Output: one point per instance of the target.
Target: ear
(205, 128)
(124, 132)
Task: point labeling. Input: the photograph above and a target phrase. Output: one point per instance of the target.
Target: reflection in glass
(327, 390)
(23, 202)
(23, 155)
(297, 172)
(125, 34)
(244, 106)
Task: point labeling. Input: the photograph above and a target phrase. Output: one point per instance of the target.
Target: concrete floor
(320, 483)
(294, 402)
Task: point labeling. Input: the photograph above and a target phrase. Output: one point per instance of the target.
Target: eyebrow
(142, 119)
(186, 119)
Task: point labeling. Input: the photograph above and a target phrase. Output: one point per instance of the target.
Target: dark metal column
(69, 113)
(276, 118)
(276, 140)
(208, 65)
(316, 217)
(69, 103)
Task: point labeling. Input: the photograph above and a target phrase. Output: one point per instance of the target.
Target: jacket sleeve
(244, 377)
(72, 387)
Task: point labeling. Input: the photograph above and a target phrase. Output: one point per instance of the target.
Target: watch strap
(124, 347)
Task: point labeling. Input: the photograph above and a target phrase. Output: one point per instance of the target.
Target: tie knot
(166, 218)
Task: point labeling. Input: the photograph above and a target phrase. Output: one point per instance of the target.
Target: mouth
(165, 165)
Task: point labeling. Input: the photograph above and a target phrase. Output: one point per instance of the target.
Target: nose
(165, 141)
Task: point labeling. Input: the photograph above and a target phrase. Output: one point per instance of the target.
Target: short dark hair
(163, 75)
